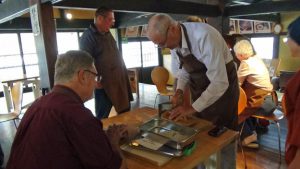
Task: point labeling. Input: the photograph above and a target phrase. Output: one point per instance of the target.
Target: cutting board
(152, 157)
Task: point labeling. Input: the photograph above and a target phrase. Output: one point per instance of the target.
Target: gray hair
(158, 24)
(244, 47)
(70, 63)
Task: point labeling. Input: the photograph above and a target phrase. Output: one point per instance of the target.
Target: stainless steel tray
(168, 133)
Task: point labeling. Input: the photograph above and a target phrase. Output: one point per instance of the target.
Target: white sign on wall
(35, 20)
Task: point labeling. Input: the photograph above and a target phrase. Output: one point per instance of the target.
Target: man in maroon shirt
(58, 132)
(292, 100)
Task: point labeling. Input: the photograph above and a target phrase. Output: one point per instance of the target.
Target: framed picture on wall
(132, 31)
(232, 26)
(245, 26)
(262, 27)
(144, 31)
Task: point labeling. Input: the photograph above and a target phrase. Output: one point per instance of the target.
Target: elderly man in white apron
(208, 68)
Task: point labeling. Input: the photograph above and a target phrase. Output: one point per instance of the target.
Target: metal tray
(168, 133)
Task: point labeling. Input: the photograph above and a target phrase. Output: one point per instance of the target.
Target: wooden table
(8, 84)
(206, 145)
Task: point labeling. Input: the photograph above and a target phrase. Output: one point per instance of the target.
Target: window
(67, 41)
(29, 54)
(150, 54)
(263, 46)
(140, 54)
(10, 57)
(132, 54)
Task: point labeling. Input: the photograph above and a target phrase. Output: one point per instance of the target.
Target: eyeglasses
(164, 43)
(97, 78)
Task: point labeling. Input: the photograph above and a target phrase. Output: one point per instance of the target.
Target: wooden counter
(206, 145)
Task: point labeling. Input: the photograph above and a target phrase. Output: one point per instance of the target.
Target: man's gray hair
(244, 47)
(159, 23)
(70, 63)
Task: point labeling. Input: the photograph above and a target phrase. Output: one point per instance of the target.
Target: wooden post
(44, 30)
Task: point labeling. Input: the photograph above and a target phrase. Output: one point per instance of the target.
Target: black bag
(1, 156)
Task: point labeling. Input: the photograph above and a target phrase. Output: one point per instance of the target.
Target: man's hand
(177, 99)
(115, 133)
(181, 112)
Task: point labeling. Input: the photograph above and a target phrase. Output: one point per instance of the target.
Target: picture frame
(144, 31)
(245, 26)
(232, 26)
(262, 27)
(132, 31)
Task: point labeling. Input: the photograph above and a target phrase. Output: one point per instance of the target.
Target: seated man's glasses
(97, 78)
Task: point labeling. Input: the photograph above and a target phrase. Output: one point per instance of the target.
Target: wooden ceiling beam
(150, 6)
(263, 8)
(61, 24)
(263, 17)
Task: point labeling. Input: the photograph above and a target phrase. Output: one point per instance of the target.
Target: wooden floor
(266, 157)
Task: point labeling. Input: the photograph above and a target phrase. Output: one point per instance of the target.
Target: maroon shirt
(292, 98)
(58, 132)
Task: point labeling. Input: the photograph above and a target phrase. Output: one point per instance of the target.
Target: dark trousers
(249, 127)
(103, 104)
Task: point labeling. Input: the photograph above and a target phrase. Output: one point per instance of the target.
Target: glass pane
(132, 54)
(30, 56)
(32, 70)
(10, 58)
(9, 44)
(10, 61)
(28, 43)
(67, 41)
(11, 73)
(263, 46)
(150, 54)
(30, 59)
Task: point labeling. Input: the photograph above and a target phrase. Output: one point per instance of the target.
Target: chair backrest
(283, 105)
(160, 77)
(242, 101)
(275, 98)
(17, 96)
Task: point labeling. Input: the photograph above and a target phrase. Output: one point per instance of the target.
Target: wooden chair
(160, 77)
(274, 116)
(283, 105)
(17, 97)
(241, 106)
